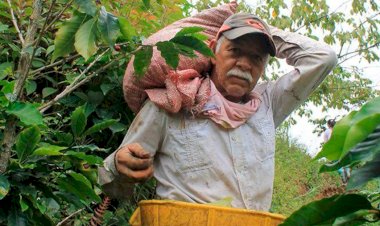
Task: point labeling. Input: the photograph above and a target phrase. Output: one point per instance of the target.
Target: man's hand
(133, 162)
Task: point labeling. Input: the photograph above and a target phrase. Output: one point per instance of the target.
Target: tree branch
(59, 15)
(358, 50)
(21, 74)
(70, 216)
(8, 141)
(14, 21)
(75, 84)
(25, 59)
(54, 64)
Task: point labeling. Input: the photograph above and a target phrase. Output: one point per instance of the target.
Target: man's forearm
(312, 61)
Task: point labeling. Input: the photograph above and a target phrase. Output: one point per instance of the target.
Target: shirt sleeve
(312, 61)
(146, 129)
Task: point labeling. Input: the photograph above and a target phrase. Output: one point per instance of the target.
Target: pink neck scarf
(188, 90)
(229, 114)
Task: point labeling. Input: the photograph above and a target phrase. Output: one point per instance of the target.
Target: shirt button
(233, 138)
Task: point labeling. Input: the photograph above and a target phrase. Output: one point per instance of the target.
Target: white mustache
(239, 73)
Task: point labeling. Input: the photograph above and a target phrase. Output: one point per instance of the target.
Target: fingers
(137, 176)
(138, 151)
(134, 162)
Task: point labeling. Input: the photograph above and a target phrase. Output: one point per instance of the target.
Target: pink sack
(211, 20)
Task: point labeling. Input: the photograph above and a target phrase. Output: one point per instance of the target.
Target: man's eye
(257, 58)
(234, 50)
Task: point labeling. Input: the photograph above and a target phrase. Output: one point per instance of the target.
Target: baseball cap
(240, 24)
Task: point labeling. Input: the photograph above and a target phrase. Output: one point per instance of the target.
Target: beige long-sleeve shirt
(196, 160)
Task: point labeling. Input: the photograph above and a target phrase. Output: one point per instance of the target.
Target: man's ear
(212, 45)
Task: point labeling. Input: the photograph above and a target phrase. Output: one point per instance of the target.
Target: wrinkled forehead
(252, 42)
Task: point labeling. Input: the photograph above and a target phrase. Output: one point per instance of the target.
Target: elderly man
(227, 150)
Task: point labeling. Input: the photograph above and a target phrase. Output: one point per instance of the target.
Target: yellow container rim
(206, 206)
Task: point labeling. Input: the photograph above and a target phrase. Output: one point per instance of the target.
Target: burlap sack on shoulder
(211, 20)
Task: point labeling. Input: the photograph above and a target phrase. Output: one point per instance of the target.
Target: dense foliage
(61, 105)
(354, 143)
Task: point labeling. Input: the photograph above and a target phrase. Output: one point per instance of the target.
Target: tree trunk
(21, 75)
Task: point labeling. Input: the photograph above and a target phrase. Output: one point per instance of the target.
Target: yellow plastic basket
(176, 213)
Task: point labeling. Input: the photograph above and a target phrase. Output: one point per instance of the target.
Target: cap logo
(256, 25)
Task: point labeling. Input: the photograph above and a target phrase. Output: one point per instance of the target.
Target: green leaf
(4, 186)
(146, 3)
(16, 218)
(169, 52)
(142, 60)
(81, 178)
(186, 51)
(26, 112)
(353, 217)
(106, 88)
(26, 141)
(333, 148)
(369, 171)
(90, 147)
(85, 39)
(193, 43)
(351, 130)
(364, 122)
(327, 210)
(5, 69)
(188, 31)
(78, 121)
(65, 37)
(200, 36)
(30, 87)
(7, 91)
(52, 206)
(49, 150)
(86, 6)
(3, 27)
(79, 189)
(108, 26)
(50, 49)
(362, 152)
(126, 28)
(48, 91)
(100, 126)
(24, 205)
(38, 62)
(118, 127)
(64, 138)
(90, 159)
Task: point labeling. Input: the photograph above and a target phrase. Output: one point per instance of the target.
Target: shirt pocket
(264, 138)
(189, 145)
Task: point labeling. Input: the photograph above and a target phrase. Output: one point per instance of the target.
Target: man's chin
(236, 96)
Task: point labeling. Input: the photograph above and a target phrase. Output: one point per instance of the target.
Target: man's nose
(244, 63)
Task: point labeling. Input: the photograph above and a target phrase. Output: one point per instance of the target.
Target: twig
(70, 216)
(75, 84)
(327, 14)
(41, 33)
(14, 21)
(59, 14)
(356, 51)
(55, 64)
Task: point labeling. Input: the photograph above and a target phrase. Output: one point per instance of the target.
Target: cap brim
(240, 31)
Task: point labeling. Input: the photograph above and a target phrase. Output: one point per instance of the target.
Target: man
(228, 149)
(328, 131)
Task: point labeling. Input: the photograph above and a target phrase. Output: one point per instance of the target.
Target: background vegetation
(61, 104)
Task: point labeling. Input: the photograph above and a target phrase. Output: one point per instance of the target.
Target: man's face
(238, 65)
